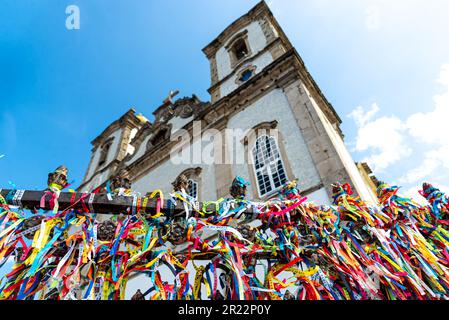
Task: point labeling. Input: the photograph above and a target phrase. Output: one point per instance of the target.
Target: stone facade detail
(213, 70)
(267, 29)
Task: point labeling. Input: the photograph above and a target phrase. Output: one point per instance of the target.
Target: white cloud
(432, 129)
(372, 18)
(361, 117)
(413, 193)
(383, 136)
(425, 169)
(387, 139)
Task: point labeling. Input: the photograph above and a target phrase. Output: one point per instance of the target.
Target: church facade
(258, 82)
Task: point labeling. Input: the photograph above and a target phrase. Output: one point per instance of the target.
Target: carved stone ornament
(138, 295)
(185, 107)
(57, 179)
(180, 183)
(238, 188)
(289, 296)
(119, 182)
(178, 233)
(184, 112)
(106, 230)
(247, 232)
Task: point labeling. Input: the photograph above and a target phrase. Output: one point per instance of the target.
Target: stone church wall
(362, 188)
(166, 172)
(274, 106)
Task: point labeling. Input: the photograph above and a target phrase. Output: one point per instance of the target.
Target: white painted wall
(93, 164)
(164, 174)
(97, 179)
(319, 197)
(274, 106)
(111, 154)
(140, 151)
(178, 122)
(114, 147)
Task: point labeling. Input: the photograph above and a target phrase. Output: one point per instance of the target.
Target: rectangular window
(268, 165)
(192, 190)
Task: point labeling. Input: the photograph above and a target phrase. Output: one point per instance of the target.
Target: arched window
(240, 49)
(104, 154)
(268, 165)
(193, 189)
(162, 134)
(191, 177)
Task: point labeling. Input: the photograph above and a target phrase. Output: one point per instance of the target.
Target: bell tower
(258, 78)
(109, 148)
(243, 50)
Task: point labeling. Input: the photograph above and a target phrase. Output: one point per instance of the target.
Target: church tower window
(240, 49)
(268, 165)
(246, 75)
(104, 154)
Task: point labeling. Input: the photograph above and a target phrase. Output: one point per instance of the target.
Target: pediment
(184, 108)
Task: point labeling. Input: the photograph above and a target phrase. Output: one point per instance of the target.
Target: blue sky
(382, 64)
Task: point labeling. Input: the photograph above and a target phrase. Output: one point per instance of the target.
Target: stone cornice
(128, 119)
(150, 129)
(238, 24)
(278, 74)
(257, 13)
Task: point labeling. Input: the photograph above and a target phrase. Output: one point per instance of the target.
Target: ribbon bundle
(296, 250)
